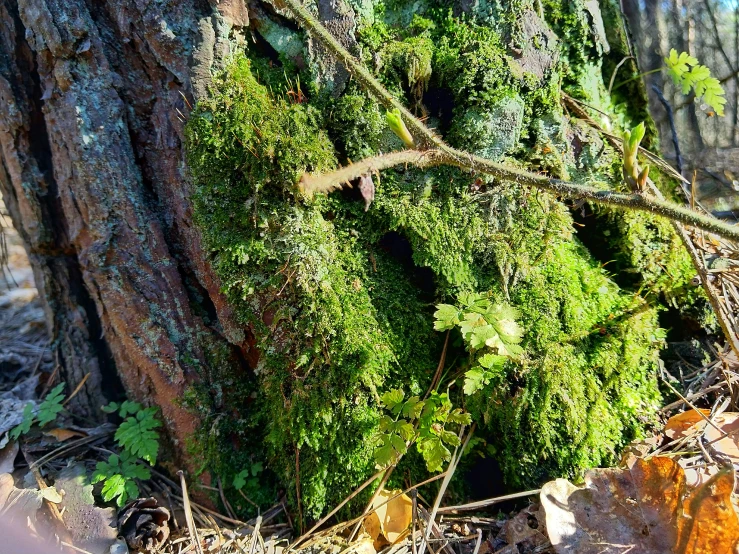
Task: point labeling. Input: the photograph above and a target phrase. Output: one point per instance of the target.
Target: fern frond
(687, 74)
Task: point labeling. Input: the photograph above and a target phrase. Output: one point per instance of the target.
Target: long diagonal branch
(437, 152)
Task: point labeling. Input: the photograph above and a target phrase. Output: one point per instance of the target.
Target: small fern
(490, 332)
(138, 442)
(687, 74)
(248, 477)
(47, 412)
(51, 406)
(430, 432)
(118, 474)
(136, 434)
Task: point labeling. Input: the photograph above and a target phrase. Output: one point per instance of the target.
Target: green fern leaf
(393, 399)
(687, 73)
(240, 479)
(129, 408)
(137, 435)
(24, 426)
(49, 409)
(434, 453)
(446, 317)
(118, 474)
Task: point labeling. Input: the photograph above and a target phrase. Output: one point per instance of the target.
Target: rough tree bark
(92, 174)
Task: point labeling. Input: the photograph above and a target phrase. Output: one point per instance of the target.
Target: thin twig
(700, 413)
(378, 490)
(484, 503)
(673, 129)
(188, 513)
(53, 508)
(77, 389)
(445, 483)
(635, 201)
(301, 524)
(479, 541)
(615, 71)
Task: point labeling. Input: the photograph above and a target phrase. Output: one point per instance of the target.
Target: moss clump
(340, 300)
(333, 318)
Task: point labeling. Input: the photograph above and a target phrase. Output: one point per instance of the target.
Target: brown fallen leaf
(391, 520)
(7, 457)
(708, 523)
(698, 474)
(62, 435)
(517, 530)
(728, 422)
(646, 508)
(682, 424)
(17, 505)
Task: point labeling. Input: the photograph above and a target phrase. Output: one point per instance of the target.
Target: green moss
(340, 301)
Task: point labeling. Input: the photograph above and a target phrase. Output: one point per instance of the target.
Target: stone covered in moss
(340, 300)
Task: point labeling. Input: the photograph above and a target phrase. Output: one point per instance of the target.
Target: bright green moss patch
(340, 300)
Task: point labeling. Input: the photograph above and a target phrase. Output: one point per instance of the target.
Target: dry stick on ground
(378, 490)
(361, 487)
(297, 488)
(188, 513)
(344, 525)
(437, 152)
(64, 533)
(484, 503)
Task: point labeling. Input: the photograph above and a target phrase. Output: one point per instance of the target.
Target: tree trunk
(147, 264)
(92, 174)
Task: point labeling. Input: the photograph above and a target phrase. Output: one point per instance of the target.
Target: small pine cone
(144, 524)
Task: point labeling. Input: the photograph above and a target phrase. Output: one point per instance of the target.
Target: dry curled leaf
(646, 508)
(709, 523)
(7, 457)
(682, 424)
(17, 505)
(62, 435)
(728, 422)
(390, 520)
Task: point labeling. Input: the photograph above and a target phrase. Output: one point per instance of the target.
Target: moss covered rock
(340, 301)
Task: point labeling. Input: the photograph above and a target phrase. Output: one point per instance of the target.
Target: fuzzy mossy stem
(439, 153)
(328, 182)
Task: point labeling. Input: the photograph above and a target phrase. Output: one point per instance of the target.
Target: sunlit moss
(340, 300)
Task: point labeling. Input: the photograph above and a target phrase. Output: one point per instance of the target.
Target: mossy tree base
(340, 300)
(272, 323)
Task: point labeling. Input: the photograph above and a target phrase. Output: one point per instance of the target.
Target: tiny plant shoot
(396, 124)
(635, 178)
(138, 442)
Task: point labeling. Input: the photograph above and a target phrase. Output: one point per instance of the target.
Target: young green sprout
(635, 178)
(395, 121)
